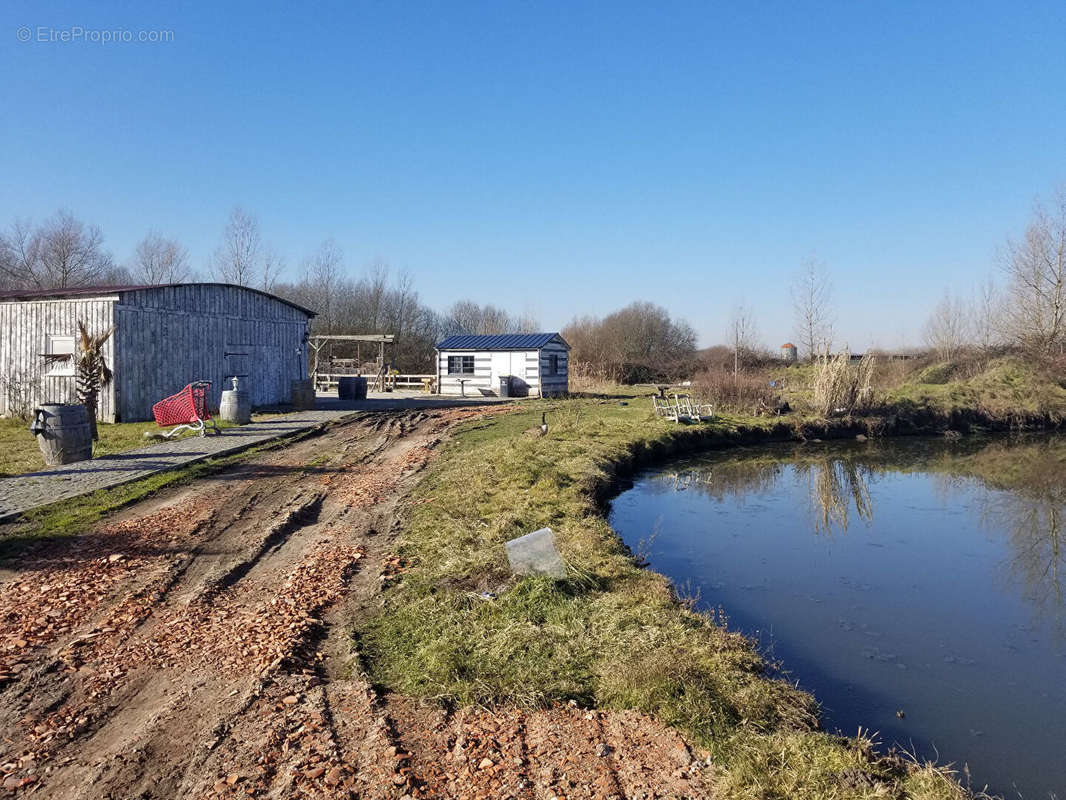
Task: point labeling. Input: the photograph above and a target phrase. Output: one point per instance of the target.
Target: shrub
(589, 378)
(748, 393)
(18, 390)
(937, 373)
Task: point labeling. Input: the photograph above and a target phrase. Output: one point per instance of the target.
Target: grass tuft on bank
(612, 635)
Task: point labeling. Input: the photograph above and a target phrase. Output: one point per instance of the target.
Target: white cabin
(535, 363)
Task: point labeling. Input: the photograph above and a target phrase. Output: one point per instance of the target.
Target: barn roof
(503, 341)
(93, 291)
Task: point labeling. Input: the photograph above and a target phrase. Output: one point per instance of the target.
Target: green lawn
(19, 452)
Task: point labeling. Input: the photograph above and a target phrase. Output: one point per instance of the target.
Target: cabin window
(58, 345)
(460, 365)
(553, 364)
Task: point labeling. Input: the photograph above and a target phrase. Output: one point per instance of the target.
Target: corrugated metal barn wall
(170, 336)
(24, 330)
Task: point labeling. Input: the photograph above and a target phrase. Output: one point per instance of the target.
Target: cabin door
(501, 365)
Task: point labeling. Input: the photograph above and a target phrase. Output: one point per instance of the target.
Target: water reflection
(1029, 504)
(1025, 494)
(837, 486)
(924, 575)
(1035, 531)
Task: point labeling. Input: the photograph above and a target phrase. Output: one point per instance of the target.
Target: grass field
(19, 452)
(612, 634)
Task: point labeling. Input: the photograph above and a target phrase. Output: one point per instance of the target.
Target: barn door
(266, 376)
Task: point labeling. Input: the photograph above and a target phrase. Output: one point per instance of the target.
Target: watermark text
(77, 34)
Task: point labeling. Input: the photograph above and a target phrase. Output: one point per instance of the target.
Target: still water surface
(913, 575)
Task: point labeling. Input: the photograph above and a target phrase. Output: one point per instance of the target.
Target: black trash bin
(351, 388)
(505, 386)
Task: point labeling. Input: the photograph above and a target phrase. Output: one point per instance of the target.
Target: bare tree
(323, 273)
(378, 302)
(19, 256)
(987, 316)
(237, 258)
(947, 328)
(273, 266)
(157, 259)
(62, 252)
(812, 294)
(742, 335)
(1036, 275)
(466, 316)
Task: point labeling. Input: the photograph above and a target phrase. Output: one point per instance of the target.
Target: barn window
(460, 365)
(58, 345)
(553, 364)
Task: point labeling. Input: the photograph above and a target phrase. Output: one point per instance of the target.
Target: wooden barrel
(303, 395)
(236, 407)
(64, 434)
(351, 388)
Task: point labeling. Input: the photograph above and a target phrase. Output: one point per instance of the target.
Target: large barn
(535, 363)
(165, 337)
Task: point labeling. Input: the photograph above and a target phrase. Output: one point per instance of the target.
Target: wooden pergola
(316, 344)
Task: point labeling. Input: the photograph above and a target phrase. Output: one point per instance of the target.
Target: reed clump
(839, 387)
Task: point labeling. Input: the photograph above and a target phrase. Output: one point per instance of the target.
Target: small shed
(535, 363)
(789, 352)
(165, 337)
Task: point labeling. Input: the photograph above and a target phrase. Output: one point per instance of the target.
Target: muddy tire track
(198, 645)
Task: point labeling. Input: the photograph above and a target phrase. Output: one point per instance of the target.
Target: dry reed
(840, 388)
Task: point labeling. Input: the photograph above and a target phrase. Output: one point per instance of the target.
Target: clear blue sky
(562, 157)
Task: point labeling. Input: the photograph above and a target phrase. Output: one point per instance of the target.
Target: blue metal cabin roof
(503, 341)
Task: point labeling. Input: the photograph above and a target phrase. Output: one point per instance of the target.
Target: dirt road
(196, 646)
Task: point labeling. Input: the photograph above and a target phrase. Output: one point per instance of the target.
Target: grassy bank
(612, 634)
(1001, 393)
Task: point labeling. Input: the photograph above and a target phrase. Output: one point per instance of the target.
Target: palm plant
(90, 368)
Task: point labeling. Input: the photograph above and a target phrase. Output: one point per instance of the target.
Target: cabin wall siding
(25, 326)
(165, 337)
(533, 370)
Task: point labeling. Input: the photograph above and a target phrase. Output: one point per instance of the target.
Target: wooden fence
(327, 382)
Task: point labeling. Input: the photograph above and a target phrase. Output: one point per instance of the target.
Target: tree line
(65, 252)
(1023, 307)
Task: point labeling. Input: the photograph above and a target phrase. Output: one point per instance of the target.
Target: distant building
(789, 352)
(165, 337)
(524, 363)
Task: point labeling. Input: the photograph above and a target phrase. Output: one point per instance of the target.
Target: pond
(915, 587)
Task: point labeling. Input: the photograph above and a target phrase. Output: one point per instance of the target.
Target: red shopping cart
(187, 410)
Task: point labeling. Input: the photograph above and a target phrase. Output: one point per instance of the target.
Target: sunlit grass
(19, 452)
(459, 629)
